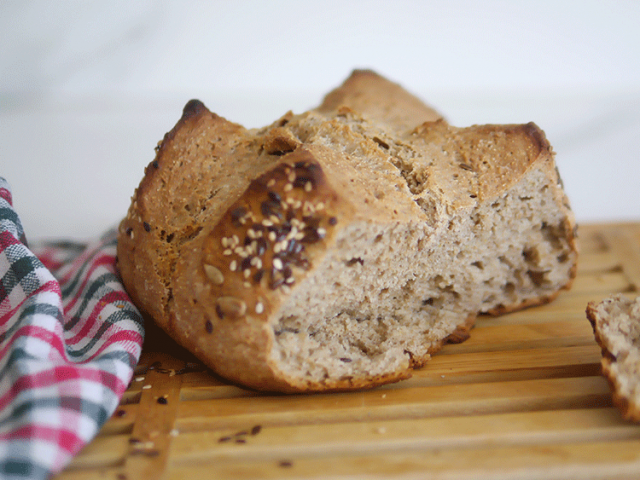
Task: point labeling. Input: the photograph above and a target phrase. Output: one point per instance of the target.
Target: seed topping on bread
(263, 241)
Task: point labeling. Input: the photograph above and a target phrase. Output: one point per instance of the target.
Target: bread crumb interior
(391, 293)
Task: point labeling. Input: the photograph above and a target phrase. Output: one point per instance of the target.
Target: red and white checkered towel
(69, 340)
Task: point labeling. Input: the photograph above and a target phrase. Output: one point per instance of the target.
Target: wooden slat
(356, 438)
(151, 435)
(514, 336)
(623, 246)
(394, 403)
(586, 461)
(522, 398)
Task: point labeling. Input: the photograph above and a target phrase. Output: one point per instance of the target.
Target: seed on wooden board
(214, 274)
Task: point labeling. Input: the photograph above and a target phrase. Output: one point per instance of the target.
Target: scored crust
(330, 250)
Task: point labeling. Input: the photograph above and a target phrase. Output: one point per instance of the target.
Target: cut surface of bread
(339, 248)
(616, 326)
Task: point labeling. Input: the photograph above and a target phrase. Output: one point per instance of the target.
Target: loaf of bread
(341, 247)
(616, 326)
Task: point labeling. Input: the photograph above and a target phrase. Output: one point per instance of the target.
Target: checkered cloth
(69, 340)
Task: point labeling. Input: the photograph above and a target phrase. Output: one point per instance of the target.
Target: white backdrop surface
(88, 88)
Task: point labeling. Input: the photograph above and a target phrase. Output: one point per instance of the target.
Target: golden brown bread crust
(380, 100)
(227, 221)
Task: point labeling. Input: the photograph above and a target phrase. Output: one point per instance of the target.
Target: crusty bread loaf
(616, 326)
(341, 247)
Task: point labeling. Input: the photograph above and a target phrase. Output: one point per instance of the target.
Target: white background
(88, 88)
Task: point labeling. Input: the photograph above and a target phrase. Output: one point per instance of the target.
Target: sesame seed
(272, 236)
(256, 262)
(252, 233)
(225, 242)
(267, 223)
(233, 265)
(227, 252)
(290, 280)
(291, 177)
(277, 263)
(246, 285)
(292, 233)
(246, 273)
(259, 308)
(235, 240)
(320, 206)
(271, 182)
(308, 187)
(288, 187)
(321, 232)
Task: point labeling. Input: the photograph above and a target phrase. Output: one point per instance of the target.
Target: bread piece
(341, 247)
(616, 326)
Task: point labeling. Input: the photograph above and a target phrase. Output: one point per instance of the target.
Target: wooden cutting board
(522, 398)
